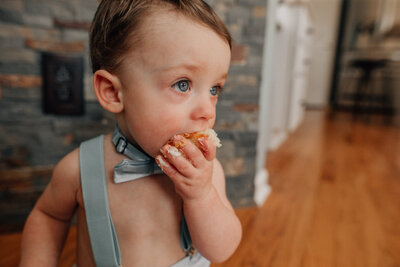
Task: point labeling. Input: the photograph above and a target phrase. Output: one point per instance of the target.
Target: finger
(190, 150)
(178, 160)
(168, 169)
(208, 148)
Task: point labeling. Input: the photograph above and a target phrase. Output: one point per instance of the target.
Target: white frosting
(162, 162)
(212, 135)
(174, 151)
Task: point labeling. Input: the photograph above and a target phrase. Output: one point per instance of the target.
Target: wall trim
(262, 188)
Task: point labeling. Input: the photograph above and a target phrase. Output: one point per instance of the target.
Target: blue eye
(182, 86)
(215, 90)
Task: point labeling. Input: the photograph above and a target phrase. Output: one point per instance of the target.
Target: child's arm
(47, 226)
(200, 181)
(213, 225)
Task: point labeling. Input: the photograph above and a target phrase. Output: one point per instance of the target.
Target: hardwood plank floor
(10, 249)
(335, 201)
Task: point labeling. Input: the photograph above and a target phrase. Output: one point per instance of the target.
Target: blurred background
(340, 55)
(312, 103)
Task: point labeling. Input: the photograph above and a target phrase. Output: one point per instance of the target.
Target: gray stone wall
(237, 110)
(32, 142)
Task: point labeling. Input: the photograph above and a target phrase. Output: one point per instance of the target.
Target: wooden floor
(335, 201)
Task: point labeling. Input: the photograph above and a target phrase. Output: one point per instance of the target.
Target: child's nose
(204, 108)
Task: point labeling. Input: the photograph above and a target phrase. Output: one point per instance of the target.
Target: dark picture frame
(62, 84)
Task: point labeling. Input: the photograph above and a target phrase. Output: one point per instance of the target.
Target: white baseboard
(262, 188)
(276, 139)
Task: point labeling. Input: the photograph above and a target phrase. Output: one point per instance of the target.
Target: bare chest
(146, 214)
(144, 203)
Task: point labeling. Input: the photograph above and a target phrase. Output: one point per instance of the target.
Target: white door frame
(262, 188)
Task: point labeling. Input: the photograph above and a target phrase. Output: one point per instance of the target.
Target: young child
(158, 66)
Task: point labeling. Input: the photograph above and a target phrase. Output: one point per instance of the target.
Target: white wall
(282, 72)
(290, 72)
(325, 16)
(284, 79)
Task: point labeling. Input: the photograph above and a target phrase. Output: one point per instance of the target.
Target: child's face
(171, 81)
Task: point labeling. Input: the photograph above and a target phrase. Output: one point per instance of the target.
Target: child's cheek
(171, 122)
(160, 136)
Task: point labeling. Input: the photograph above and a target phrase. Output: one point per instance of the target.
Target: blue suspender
(103, 237)
(101, 228)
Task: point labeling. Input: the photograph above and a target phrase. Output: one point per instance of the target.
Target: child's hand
(190, 168)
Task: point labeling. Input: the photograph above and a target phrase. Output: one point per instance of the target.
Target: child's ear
(108, 90)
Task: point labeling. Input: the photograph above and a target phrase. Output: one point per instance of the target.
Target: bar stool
(368, 99)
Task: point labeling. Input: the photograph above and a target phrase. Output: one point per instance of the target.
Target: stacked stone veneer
(31, 142)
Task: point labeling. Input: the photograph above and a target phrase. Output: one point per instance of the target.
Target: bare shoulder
(60, 196)
(70, 161)
(67, 171)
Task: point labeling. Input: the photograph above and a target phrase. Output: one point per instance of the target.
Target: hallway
(335, 201)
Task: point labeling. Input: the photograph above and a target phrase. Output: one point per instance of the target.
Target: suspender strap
(186, 240)
(93, 179)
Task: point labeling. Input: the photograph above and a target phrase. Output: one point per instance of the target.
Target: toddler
(145, 195)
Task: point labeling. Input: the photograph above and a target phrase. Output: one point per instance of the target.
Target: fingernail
(163, 151)
(161, 162)
(203, 144)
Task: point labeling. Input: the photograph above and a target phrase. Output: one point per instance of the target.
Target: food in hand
(209, 133)
(196, 138)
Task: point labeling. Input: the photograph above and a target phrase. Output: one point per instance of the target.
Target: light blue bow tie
(139, 165)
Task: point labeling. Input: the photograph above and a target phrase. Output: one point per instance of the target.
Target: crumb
(174, 151)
